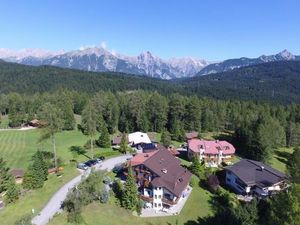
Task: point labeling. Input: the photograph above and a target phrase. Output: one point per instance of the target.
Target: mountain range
(98, 59)
(276, 82)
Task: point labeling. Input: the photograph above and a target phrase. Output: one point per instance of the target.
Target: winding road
(54, 204)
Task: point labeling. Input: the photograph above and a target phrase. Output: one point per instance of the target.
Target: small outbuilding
(18, 174)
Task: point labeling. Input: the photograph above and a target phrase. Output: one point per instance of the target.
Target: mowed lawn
(280, 157)
(110, 214)
(17, 147)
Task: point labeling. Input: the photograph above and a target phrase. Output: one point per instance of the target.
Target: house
(161, 180)
(212, 153)
(116, 141)
(137, 138)
(249, 177)
(18, 174)
(34, 123)
(191, 135)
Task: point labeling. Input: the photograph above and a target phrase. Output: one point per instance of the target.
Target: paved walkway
(18, 129)
(54, 205)
(174, 210)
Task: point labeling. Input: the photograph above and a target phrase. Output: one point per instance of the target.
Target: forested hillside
(274, 82)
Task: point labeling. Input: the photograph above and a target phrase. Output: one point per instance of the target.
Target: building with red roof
(212, 153)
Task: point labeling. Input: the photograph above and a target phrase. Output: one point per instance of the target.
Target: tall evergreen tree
(293, 165)
(4, 175)
(285, 207)
(104, 139)
(130, 195)
(7, 183)
(12, 192)
(17, 114)
(166, 138)
(66, 107)
(89, 123)
(124, 144)
(52, 123)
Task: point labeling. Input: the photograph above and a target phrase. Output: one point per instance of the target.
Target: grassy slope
(196, 206)
(17, 147)
(37, 198)
(279, 158)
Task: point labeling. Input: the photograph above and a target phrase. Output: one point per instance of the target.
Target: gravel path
(54, 205)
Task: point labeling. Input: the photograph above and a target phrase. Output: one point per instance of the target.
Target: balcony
(169, 202)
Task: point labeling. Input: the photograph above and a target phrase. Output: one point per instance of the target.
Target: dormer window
(164, 170)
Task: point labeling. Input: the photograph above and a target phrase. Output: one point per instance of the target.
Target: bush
(104, 196)
(194, 181)
(24, 220)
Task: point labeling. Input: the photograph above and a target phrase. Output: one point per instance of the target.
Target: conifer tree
(123, 144)
(89, 123)
(104, 139)
(51, 122)
(166, 138)
(130, 194)
(293, 165)
(12, 193)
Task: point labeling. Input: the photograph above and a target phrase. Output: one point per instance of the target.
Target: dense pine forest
(254, 108)
(257, 128)
(276, 82)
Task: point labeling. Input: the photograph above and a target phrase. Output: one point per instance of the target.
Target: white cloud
(103, 45)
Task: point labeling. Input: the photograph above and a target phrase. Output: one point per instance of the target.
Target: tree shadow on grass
(78, 150)
(282, 156)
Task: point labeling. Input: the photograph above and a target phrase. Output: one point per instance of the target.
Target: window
(159, 205)
(155, 196)
(159, 188)
(155, 205)
(159, 196)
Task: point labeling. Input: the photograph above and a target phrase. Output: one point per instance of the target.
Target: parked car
(102, 158)
(82, 166)
(91, 162)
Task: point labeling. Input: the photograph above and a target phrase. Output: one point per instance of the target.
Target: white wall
(157, 198)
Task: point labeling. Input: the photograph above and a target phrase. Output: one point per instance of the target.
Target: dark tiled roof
(171, 175)
(256, 173)
(148, 146)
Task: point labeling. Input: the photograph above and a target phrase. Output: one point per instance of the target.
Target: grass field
(4, 122)
(17, 147)
(110, 214)
(280, 157)
(36, 199)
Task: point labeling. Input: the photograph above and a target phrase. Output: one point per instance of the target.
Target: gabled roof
(138, 138)
(170, 174)
(256, 173)
(140, 158)
(211, 147)
(17, 173)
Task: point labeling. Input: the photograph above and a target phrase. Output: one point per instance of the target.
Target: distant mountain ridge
(98, 59)
(231, 64)
(272, 81)
(101, 60)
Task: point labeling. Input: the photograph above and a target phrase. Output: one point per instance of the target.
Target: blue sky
(212, 30)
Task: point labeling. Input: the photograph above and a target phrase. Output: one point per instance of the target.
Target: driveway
(53, 206)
